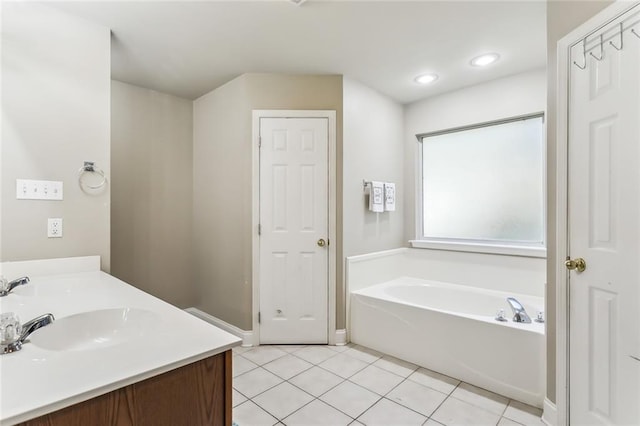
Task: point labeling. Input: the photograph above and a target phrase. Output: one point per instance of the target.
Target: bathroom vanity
(114, 355)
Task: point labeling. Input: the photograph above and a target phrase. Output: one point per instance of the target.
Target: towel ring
(89, 167)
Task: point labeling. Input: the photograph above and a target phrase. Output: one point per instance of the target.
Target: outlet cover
(54, 227)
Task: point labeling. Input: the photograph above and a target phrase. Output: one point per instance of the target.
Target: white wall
(507, 97)
(373, 149)
(151, 192)
(55, 115)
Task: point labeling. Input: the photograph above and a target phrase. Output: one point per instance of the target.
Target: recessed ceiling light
(426, 78)
(484, 60)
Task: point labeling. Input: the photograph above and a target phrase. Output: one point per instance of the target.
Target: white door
(604, 230)
(294, 191)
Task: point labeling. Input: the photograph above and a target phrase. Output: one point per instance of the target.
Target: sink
(95, 329)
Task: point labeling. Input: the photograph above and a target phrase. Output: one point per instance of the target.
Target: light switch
(29, 189)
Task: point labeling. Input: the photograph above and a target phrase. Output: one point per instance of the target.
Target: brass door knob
(321, 242)
(578, 264)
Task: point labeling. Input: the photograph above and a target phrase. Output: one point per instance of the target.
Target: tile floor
(354, 385)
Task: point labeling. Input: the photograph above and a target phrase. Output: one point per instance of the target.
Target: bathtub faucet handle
(500, 315)
(540, 317)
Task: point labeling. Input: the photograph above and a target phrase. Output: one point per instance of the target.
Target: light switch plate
(29, 189)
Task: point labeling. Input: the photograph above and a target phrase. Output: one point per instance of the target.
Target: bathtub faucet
(519, 314)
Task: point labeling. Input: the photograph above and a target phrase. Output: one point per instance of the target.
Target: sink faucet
(519, 314)
(6, 287)
(13, 345)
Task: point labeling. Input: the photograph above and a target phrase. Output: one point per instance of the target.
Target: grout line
(393, 388)
(399, 375)
(323, 393)
(242, 395)
(295, 411)
(359, 415)
(308, 393)
(249, 400)
(444, 400)
(370, 407)
(284, 378)
(409, 408)
(505, 408)
(267, 388)
(334, 373)
(477, 405)
(314, 363)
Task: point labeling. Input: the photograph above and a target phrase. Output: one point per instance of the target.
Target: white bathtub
(451, 329)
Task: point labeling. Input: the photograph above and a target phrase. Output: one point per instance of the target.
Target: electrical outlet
(54, 228)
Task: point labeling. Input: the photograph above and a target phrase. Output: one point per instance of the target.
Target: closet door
(604, 226)
(294, 229)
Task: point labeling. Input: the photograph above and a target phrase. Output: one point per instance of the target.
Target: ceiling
(190, 48)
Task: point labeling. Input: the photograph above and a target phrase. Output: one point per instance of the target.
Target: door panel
(294, 191)
(604, 229)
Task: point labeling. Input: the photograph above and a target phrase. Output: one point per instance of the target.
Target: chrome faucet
(7, 286)
(12, 344)
(519, 314)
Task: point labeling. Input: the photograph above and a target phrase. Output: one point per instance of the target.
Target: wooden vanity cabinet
(193, 395)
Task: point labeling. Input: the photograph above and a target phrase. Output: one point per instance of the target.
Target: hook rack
(584, 55)
(621, 39)
(601, 51)
(612, 34)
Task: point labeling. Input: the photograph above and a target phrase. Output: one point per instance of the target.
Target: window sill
(500, 249)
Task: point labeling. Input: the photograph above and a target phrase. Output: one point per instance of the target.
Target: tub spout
(519, 314)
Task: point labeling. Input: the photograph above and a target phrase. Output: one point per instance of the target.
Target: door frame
(593, 25)
(332, 214)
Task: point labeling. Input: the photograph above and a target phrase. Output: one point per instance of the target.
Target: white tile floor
(354, 385)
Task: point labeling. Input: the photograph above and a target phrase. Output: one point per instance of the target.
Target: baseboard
(549, 413)
(246, 336)
(341, 337)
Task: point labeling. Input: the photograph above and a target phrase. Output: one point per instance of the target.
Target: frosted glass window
(485, 183)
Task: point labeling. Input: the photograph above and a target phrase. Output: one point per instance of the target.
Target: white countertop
(35, 381)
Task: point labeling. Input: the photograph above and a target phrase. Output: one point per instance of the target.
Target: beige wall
(373, 150)
(55, 115)
(151, 203)
(562, 18)
(222, 183)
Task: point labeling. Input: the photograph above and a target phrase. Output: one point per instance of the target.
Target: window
(483, 186)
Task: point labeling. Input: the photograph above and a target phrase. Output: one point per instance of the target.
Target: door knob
(321, 242)
(578, 264)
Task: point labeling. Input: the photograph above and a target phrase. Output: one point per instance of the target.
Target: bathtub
(452, 329)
